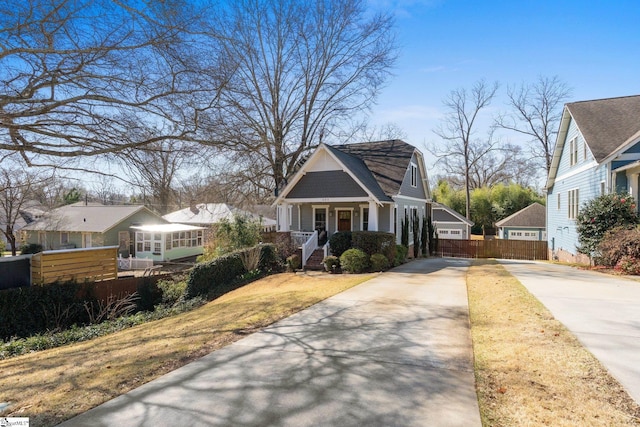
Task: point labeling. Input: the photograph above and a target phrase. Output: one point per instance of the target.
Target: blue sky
(594, 46)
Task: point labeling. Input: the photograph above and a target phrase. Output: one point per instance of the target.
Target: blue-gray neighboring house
(364, 186)
(597, 152)
(526, 224)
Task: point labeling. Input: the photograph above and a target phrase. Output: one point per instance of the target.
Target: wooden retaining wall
(122, 287)
(92, 264)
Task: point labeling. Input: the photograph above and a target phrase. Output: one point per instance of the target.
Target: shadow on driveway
(394, 351)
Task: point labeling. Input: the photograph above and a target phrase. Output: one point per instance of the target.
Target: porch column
(633, 186)
(373, 216)
(284, 217)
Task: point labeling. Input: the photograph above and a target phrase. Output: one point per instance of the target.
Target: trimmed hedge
(29, 310)
(370, 242)
(375, 242)
(214, 278)
(223, 274)
(340, 242)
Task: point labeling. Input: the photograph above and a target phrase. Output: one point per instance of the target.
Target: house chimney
(193, 207)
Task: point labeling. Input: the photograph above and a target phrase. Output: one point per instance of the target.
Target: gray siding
(326, 184)
(406, 189)
(401, 204)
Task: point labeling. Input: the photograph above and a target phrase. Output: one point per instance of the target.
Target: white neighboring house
(208, 214)
(168, 242)
(449, 224)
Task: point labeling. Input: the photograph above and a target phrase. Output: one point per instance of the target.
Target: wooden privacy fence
(498, 248)
(92, 264)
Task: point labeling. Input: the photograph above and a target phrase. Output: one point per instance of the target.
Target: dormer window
(414, 175)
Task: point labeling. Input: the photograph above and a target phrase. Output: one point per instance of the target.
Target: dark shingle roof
(386, 161)
(533, 215)
(606, 123)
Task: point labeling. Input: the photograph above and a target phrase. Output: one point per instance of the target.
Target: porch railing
(309, 246)
(299, 238)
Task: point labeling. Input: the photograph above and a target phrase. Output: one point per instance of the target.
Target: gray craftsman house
(366, 186)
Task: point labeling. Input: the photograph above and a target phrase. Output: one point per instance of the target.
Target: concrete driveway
(394, 351)
(602, 311)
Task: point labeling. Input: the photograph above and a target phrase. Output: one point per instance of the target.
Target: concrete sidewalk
(394, 351)
(602, 311)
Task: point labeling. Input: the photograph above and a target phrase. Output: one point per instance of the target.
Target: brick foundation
(562, 255)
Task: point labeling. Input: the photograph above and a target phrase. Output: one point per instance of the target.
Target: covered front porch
(626, 179)
(311, 224)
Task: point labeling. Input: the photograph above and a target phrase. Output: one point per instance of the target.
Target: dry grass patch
(530, 370)
(54, 385)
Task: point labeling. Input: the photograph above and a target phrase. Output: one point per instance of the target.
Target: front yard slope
(530, 370)
(53, 385)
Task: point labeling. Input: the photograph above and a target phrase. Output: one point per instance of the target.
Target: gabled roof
(533, 215)
(211, 213)
(607, 125)
(91, 218)
(449, 214)
(387, 160)
(379, 167)
(359, 168)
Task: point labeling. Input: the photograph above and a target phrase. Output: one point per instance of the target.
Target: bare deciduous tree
(15, 191)
(301, 68)
(76, 77)
(500, 164)
(155, 168)
(536, 114)
(459, 127)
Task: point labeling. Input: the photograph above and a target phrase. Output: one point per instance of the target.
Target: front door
(86, 240)
(320, 224)
(344, 220)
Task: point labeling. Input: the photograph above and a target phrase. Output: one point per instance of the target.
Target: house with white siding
(365, 186)
(597, 151)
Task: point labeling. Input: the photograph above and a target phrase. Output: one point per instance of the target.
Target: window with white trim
(365, 219)
(414, 175)
(573, 151)
(64, 237)
(573, 202)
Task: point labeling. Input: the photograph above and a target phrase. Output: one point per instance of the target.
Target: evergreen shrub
(379, 262)
(354, 261)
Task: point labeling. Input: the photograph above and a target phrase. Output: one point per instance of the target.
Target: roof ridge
(603, 99)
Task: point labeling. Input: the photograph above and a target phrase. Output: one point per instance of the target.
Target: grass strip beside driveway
(53, 385)
(530, 370)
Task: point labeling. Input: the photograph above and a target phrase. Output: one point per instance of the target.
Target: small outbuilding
(526, 224)
(449, 224)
